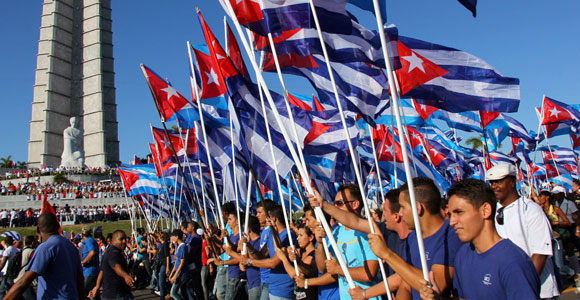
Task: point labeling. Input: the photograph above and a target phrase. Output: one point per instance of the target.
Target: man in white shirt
(522, 221)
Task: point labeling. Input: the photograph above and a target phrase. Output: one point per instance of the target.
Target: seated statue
(72, 153)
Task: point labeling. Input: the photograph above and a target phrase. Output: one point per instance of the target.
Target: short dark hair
(265, 204)
(576, 181)
(29, 240)
(308, 208)
(254, 224)
(353, 189)
(177, 233)
(277, 212)
(8, 240)
(545, 193)
(193, 224)
(306, 228)
(228, 208)
(47, 223)
(474, 191)
(392, 197)
(426, 192)
(116, 233)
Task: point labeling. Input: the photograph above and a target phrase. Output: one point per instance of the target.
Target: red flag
(47, 208)
(486, 117)
(424, 110)
(234, 52)
(415, 69)
(155, 158)
(168, 99)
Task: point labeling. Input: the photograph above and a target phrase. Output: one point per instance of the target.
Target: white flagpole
(301, 169)
(247, 220)
(196, 93)
(395, 98)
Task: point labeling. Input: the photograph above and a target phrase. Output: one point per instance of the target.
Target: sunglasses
(499, 216)
(340, 203)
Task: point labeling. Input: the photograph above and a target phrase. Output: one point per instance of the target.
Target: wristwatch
(250, 262)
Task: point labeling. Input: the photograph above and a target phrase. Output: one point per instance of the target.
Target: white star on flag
(165, 143)
(170, 92)
(416, 136)
(211, 77)
(434, 151)
(389, 149)
(414, 62)
(550, 172)
(554, 112)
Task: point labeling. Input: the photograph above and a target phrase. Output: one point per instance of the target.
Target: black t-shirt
(163, 254)
(113, 285)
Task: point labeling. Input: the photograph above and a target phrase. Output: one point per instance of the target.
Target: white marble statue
(72, 153)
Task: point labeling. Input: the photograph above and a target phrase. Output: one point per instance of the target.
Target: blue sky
(536, 41)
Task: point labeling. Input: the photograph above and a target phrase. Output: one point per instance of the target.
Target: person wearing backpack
(10, 252)
(30, 243)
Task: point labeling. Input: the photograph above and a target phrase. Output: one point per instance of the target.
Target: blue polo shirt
(57, 264)
(503, 272)
(253, 273)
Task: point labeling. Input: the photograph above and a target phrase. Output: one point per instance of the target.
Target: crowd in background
(66, 190)
(46, 171)
(10, 218)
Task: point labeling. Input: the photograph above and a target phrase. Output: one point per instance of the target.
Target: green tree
(21, 165)
(6, 162)
(474, 142)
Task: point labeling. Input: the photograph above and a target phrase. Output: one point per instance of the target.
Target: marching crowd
(482, 241)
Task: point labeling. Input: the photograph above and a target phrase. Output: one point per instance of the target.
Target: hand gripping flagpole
(301, 169)
(196, 93)
(355, 162)
(395, 98)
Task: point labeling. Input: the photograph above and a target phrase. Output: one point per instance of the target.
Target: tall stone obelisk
(74, 78)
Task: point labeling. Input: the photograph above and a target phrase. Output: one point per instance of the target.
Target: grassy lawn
(107, 227)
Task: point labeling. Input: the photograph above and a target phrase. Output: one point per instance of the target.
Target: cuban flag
(410, 115)
(558, 112)
(471, 84)
(498, 157)
(270, 16)
(361, 87)
(466, 121)
(575, 138)
(171, 104)
(183, 142)
(140, 179)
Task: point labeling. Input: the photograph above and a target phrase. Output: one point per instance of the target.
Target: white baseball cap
(558, 189)
(199, 231)
(500, 171)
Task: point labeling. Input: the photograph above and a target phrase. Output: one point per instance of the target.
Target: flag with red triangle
(415, 69)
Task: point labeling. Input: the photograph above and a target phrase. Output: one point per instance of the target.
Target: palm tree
(6, 162)
(475, 142)
(21, 165)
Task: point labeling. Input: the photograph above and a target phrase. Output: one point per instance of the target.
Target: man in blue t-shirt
(235, 275)
(440, 241)
(90, 260)
(281, 286)
(487, 266)
(178, 275)
(55, 262)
